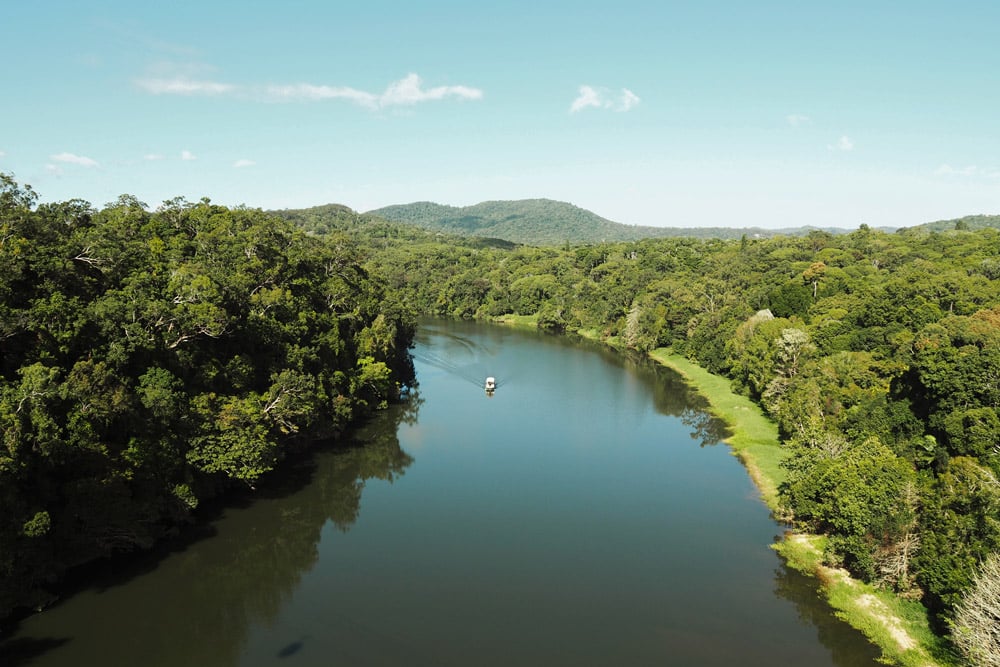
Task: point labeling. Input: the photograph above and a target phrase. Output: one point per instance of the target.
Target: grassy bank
(520, 321)
(753, 437)
(898, 627)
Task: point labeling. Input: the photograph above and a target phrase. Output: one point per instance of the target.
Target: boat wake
(474, 373)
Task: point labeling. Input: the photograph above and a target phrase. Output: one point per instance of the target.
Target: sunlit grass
(522, 321)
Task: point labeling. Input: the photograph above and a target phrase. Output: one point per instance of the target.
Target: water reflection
(847, 647)
(194, 601)
(673, 396)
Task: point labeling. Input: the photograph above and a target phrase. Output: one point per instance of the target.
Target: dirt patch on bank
(878, 611)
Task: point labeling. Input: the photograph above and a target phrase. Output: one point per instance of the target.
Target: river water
(584, 514)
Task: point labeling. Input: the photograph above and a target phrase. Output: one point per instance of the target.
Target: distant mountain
(549, 222)
(537, 222)
(332, 219)
(968, 222)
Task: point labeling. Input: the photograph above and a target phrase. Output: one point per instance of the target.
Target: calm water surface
(583, 515)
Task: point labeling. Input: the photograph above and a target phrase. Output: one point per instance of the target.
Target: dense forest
(877, 354)
(152, 360)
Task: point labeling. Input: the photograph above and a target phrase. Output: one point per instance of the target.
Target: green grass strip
(753, 437)
(520, 321)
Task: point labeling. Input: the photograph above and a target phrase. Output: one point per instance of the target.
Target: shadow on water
(292, 648)
(17, 652)
(253, 549)
(847, 646)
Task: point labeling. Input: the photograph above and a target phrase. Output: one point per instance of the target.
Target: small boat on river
(491, 384)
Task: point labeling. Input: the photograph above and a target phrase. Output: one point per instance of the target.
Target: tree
(959, 528)
(859, 493)
(976, 624)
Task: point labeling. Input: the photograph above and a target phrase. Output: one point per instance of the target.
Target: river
(584, 514)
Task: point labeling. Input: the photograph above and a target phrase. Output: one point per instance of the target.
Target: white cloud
(797, 119)
(70, 158)
(54, 169)
(588, 97)
(243, 163)
(308, 92)
(845, 144)
(184, 86)
(407, 91)
(187, 156)
(601, 98)
(3, 153)
(152, 156)
(628, 100)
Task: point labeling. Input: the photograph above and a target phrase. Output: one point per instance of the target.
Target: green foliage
(855, 492)
(151, 359)
(960, 526)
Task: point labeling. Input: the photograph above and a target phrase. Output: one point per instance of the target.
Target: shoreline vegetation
(898, 627)
(867, 352)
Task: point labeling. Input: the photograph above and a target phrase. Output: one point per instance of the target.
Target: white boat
(491, 385)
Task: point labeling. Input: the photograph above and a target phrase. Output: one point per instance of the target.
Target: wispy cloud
(970, 171)
(239, 164)
(134, 34)
(54, 169)
(3, 153)
(601, 98)
(70, 158)
(407, 91)
(184, 86)
(844, 144)
(307, 92)
(187, 156)
(797, 119)
(627, 100)
(588, 97)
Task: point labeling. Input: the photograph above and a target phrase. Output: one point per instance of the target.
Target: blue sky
(660, 113)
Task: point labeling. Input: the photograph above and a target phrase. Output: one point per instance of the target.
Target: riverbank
(898, 627)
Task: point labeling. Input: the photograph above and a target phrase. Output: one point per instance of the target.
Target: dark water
(583, 515)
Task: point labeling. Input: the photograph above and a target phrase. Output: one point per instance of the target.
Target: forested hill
(968, 222)
(531, 221)
(547, 222)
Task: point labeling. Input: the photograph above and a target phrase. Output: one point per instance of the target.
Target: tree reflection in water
(182, 605)
(847, 647)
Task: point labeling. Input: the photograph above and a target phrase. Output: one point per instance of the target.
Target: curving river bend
(585, 514)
